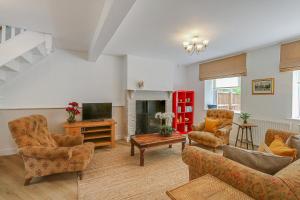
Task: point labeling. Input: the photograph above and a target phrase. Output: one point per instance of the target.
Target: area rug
(114, 174)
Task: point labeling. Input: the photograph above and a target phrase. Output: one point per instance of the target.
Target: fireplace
(145, 115)
(164, 99)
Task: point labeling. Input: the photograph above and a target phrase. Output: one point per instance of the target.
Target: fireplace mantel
(131, 92)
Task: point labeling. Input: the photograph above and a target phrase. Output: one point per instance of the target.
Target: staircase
(20, 49)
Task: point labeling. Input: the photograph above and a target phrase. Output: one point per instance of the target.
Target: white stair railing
(9, 32)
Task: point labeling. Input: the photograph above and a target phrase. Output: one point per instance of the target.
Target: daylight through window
(223, 93)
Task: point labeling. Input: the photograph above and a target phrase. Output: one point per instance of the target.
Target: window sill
(294, 119)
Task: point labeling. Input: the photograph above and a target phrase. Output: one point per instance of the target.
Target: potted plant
(245, 116)
(165, 123)
(72, 110)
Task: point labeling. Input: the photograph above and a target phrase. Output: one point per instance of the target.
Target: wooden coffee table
(145, 141)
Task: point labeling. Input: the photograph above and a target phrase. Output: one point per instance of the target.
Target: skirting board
(8, 151)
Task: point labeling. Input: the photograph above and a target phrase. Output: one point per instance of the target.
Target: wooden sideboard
(102, 133)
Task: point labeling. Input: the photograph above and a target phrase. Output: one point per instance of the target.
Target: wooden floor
(58, 187)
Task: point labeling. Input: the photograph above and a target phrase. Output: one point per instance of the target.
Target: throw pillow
(278, 147)
(211, 125)
(264, 162)
(263, 147)
(294, 142)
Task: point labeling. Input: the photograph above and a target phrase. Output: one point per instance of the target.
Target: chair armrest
(254, 183)
(64, 140)
(46, 152)
(199, 127)
(223, 131)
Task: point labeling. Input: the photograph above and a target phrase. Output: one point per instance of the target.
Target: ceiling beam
(113, 13)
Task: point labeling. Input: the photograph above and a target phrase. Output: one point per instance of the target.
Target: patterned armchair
(44, 153)
(220, 137)
(285, 184)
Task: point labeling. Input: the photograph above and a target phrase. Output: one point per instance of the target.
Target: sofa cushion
(225, 116)
(31, 131)
(291, 176)
(263, 147)
(294, 142)
(264, 162)
(278, 147)
(211, 125)
(44, 137)
(205, 138)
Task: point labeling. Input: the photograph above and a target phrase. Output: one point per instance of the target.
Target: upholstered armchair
(217, 138)
(44, 153)
(285, 184)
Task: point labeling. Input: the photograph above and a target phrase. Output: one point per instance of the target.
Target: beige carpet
(114, 174)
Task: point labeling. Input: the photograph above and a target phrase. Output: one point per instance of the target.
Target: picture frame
(263, 86)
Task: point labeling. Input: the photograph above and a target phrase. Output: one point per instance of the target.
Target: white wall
(261, 63)
(264, 63)
(193, 83)
(66, 76)
(180, 78)
(157, 75)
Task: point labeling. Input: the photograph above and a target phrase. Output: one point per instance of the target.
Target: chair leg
(27, 181)
(79, 174)
(190, 141)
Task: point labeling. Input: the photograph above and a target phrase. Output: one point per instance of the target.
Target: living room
(162, 68)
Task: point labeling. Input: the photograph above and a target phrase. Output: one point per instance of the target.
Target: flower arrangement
(245, 116)
(72, 110)
(165, 123)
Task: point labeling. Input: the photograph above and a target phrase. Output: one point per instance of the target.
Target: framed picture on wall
(263, 86)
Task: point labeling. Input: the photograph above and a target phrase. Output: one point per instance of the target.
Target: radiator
(262, 126)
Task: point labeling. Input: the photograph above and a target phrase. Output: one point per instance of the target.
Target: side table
(248, 140)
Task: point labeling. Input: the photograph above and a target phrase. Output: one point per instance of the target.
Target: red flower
(73, 108)
(70, 109)
(74, 104)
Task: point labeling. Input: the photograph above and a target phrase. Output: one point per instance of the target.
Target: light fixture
(195, 45)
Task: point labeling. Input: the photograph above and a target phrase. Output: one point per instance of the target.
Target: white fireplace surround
(130, 108)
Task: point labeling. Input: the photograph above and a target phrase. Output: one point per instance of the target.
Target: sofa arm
(64, 140)
(223, 131)
(254, 183)
(46, 152)
(199, 127)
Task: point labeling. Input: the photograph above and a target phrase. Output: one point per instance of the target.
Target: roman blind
(290, 56)
(224, 68)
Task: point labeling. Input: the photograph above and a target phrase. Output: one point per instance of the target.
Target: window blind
(290, 56)
(223, 68)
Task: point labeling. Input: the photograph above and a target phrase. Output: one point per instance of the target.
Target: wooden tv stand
(102, 133)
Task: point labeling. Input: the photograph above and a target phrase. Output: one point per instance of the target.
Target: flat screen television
(96, 111)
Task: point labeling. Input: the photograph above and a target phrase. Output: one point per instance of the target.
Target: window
(223, 93)
(296, 95)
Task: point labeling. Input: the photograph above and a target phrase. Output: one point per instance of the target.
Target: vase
(71, 118)
(165, 132)
(245, 121)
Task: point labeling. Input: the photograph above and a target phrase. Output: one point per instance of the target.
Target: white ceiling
(72, 22)
(156, 28)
